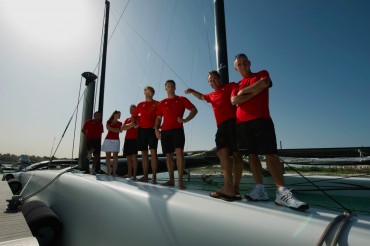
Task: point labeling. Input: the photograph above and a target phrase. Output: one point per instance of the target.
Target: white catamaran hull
(102, 210)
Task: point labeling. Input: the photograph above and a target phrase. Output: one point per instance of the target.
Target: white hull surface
(102, 210)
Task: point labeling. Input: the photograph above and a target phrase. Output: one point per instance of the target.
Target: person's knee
(272, 157)
(222, 153)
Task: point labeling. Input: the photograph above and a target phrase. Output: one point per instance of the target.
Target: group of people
(243, 122)
(144, 129)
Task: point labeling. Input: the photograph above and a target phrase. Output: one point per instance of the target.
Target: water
(340, 200)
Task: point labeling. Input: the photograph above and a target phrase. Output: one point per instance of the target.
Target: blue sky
(317, 53)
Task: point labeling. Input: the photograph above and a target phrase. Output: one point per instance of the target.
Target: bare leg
(223, 155)
(107, 160)
(256, 168)
(170, 169)
(129, 166)
(115, 163)
(180, 167)
(154, 162)
(134, 165)
(275, 168)
(144, 161)
(96, 159)
(238, 170)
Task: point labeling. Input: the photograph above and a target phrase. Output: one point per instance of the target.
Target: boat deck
(14, 229)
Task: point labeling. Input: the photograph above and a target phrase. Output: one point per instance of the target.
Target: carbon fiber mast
(221, 44)
(104, 59)
(87, 113)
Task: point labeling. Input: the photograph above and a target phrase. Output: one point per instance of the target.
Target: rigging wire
(169, 35)
(318, 187)
(158, 36)
(65, 130)
(110, 37)
(99, 59)
(74, 132)
(52, 147)
(81, 96)
(208, 42)
(159, 56)
(101, 48)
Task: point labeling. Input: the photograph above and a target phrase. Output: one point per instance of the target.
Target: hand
(180, 120)
(233, 100)
(157, 133)
(188, 91)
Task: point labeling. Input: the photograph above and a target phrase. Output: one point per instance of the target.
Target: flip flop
(215, 194)
(223, 196)
(168, 184)
(142, 179)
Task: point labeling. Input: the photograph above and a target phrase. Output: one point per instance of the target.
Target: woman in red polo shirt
(111, 142)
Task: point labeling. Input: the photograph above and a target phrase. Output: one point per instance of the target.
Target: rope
(317, 187)
(159, 56)
(110, 37)
(23, 199)
(208, 42)
(67, 125)
(101, 48)
(74, 132)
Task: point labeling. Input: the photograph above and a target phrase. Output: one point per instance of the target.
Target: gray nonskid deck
(14, 229)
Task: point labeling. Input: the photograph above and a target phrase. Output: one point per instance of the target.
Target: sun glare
(47, 23)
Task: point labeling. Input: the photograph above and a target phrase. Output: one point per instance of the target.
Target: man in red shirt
(93, 130)
(130, 145)
(224, 113)
(172, 133)
(256, 132)
(145, 112)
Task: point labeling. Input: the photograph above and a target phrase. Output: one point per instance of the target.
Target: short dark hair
(150, 88)
(215, 73)
(170, 81)
(241, 55)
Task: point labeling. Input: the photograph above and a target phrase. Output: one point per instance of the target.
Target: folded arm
(251, 91)
(112, 129)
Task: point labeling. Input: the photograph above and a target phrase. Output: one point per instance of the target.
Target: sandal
(168, 183)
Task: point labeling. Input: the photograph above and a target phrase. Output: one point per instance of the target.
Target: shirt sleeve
(188, 105)
(207, 97)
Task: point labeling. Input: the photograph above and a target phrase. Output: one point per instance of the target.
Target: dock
(14, 229)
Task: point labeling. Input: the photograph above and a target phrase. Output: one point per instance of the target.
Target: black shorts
(146, 137)
(257, 136)
(172, 139)
(94, 144)
(226, 135)
(130, 147)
